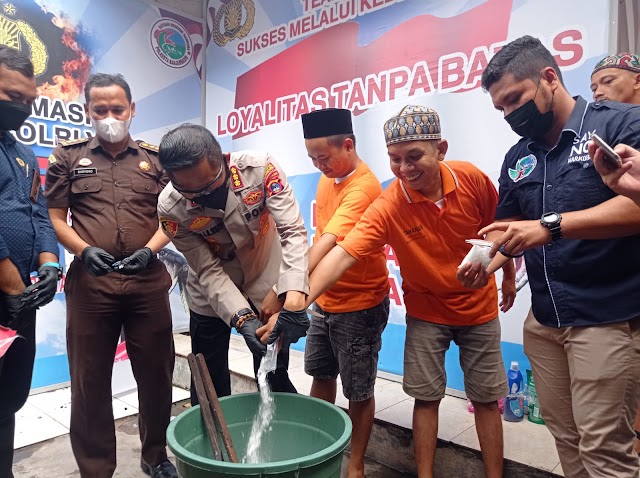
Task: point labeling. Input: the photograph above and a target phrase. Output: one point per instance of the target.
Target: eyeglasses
(203, 191)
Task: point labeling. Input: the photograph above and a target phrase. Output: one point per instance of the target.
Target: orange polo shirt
(338, 208)
(429, 243)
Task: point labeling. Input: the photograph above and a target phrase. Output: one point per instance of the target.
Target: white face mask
(110, 129)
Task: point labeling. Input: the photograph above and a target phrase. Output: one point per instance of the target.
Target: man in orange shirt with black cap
(347, 336)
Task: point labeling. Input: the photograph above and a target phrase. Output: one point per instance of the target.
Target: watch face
(551, 217)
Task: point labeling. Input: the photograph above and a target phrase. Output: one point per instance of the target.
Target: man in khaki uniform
(236, 220)
(110, 184)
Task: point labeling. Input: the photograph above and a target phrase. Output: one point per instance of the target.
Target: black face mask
(217, 199)
(528, 122)
(13, 114)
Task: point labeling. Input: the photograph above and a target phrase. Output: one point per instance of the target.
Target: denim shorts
(347, 344)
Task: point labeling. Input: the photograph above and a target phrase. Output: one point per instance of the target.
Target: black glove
(249, 323)
(294, 324)
(43, 291)
(135, 263)
(12, 314)
(97, 261)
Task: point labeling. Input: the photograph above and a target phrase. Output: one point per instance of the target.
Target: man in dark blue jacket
(27, 243)
(580, 241)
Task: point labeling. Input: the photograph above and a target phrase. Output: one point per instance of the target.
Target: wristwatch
(551, 220)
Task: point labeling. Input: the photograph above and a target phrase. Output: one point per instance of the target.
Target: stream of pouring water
(262, 421)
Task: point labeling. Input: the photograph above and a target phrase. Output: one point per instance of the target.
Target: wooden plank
(212, 397)
(205, 407)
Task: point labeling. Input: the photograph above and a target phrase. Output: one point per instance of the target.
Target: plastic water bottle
(514, 408)
(514, 377)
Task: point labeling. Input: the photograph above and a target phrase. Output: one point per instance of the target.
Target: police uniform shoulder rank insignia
(52, 159)
(169, 226)
(20, 162)
(149, 147)
(71, 142)
(84, 162)
(272, 181)
(236, 179)
(199, 222)
(144, 166)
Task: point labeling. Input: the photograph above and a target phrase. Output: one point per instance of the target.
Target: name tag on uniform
(85, 171)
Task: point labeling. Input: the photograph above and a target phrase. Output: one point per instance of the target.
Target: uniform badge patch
(272, 181)
(253, 198)
(168, 226)
(274, 187)
(270, 167)
(236, 179)
(144, 166)
(524, 167)
(85, 162)
(199, 222)
(20, 162)
(52, 159)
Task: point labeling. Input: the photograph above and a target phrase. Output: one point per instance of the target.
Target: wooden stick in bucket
(205, 406)
(212, 397)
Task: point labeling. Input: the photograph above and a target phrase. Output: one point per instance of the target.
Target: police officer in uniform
(27, 243)
(236, 220)
(111, 185)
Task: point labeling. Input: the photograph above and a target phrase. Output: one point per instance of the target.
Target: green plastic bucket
(306, 439)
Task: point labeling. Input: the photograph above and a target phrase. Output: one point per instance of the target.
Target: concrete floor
(54, 457)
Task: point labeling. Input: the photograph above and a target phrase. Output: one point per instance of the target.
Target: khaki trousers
(587, 381)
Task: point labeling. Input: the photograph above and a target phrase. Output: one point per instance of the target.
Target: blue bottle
(514, 377)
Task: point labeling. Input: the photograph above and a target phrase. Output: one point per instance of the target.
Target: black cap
(327, 122)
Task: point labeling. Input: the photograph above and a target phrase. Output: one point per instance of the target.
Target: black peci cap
(327, 122)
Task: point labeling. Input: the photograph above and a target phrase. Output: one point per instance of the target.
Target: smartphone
(609, 155)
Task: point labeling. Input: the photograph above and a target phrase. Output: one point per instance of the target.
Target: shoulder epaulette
(71, 142)
(149, 147)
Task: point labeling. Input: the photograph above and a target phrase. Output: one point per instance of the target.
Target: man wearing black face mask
(27, 243)
(581, 244)
(236, 220)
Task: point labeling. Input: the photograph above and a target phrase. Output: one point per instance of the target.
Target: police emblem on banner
(171, 43)
(16, 33)
(231, 19)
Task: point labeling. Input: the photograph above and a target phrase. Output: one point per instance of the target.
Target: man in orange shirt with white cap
(426, 215)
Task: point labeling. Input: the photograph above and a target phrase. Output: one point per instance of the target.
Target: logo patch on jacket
(524, 167)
